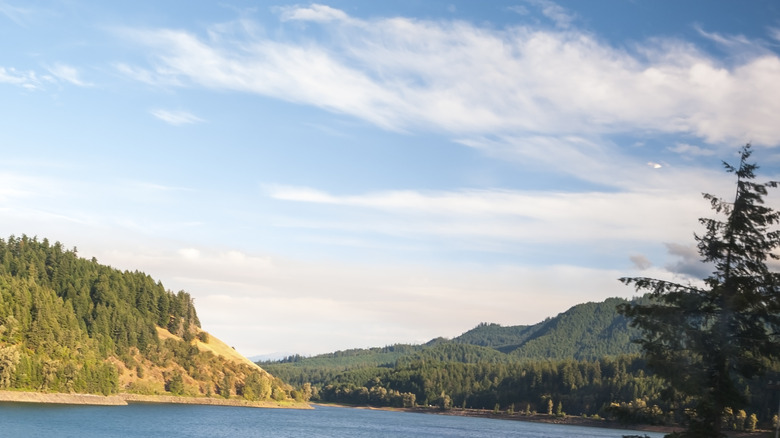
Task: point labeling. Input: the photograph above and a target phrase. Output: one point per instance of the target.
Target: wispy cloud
(729, 41)
(504, 215)
(471, 80)
(31, 80)
(176, 117)
(16, 14)
(558, 14)
(25, 79)
(315, 12)
(691, 150)
(774, 33)
(138, 74)
(68, 74)
(518, 9)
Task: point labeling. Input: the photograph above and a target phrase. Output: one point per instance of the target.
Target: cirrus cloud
(472, 80)
(176, 118)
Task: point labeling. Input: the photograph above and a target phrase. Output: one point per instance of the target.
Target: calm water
(146, 420)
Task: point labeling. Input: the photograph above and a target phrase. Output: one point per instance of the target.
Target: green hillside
(501, 338)
(68, 324)
(586, 331)
(581, 359)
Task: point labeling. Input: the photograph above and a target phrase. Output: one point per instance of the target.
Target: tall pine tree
(701, 339)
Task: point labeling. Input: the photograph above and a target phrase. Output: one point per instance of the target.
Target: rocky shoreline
(124, 399)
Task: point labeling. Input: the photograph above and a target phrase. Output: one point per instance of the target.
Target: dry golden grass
(214, 345)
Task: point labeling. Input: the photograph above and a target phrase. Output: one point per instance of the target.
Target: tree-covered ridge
(496, 336)
(586, 331)
(68, 324)
(117, 309)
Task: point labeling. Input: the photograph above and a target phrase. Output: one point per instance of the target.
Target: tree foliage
(704, 339)
(68, 324)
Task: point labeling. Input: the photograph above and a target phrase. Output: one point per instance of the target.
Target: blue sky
(323, 176)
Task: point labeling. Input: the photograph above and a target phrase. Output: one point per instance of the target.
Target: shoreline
(534, 418)
(569, 420)
(124, 399)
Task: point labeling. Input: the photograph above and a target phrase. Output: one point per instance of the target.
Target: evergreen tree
(702, 339)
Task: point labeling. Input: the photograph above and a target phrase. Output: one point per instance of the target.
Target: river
(193, 421)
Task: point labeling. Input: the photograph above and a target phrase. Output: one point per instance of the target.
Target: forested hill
(582, 358)
(68, 324)
(586, 331)
(580, 362)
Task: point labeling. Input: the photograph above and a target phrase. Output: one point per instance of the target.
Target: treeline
(580, 387)
(68, 324)
(118, 309)
(619, 388)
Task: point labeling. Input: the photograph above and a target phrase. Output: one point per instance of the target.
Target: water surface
(193, 421)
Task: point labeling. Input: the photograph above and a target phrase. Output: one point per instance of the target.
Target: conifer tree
(701, 339)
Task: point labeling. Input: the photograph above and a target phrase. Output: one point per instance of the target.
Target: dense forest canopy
(68, 324)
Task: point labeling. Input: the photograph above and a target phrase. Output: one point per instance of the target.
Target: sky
(351, 174)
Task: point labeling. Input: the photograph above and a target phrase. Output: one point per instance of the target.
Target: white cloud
(473, 80)
(176, 118)
(33, 81)
(138, 74)
(189, 253)
(518, 9)
(511, 216)
(558, 14)
(25, 79)
(315, 12)
(15, 13)
(691, 150)
(774, 32)
(728, 41)
(68, 74)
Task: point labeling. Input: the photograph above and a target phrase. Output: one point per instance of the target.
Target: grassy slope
(215, 345)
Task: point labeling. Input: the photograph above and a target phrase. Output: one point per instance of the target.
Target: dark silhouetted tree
(702, 339)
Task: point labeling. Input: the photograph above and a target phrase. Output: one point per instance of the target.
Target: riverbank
(124, 399)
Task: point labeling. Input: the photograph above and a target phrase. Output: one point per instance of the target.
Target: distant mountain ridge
(584, 332)
(581, 359)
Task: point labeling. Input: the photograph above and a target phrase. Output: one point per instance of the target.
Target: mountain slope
(586, 331)
(579, 358)
(73, 325)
